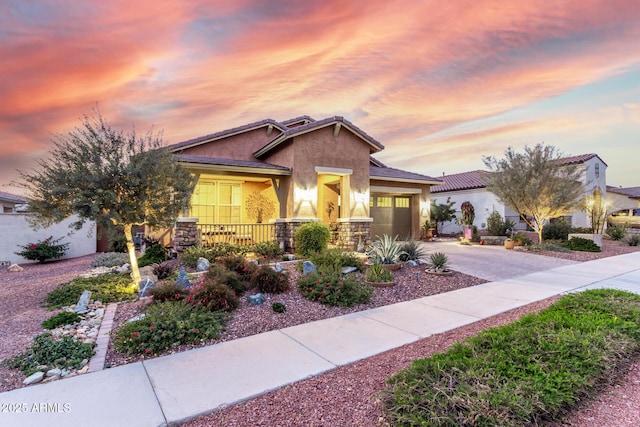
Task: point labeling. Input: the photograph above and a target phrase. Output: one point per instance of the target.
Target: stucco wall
(15, 230)
(483, 203)
(239, 147)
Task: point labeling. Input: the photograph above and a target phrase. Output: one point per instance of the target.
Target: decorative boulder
(145, 287)
(256, 299)
(183, 280)
(347, 270)
(254, 261)
(277, 267)
(35, 378)
(124, 268)
(203, 264)
(83, 302)
(146, 272)
(308, 267)
(14, 268)
(412, 263)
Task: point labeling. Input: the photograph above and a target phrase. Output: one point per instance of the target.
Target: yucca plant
(385, 250)
(412, 251)
(438, 262)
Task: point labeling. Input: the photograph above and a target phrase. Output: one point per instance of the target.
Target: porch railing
(242, 234)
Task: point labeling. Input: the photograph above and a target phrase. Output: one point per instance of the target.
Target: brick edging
(102, 341)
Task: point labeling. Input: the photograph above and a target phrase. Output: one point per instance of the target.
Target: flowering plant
(44, 250)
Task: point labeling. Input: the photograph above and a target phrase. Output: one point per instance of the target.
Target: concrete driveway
(493, 262)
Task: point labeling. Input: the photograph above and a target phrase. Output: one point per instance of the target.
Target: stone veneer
(351, 232)
(186, 233)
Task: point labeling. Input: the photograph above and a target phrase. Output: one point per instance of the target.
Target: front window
(216, 202)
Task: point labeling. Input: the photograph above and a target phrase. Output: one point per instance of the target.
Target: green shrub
(331, 287)
(497, 226)
(168, 325)
(110, 287)
(214, 296)
(557, 230)
(522, 239)
(168, 291)
(278, 307)
(617, 233)
(47, 353)
(526, 373)
(245, 269)
(268, 250)
(61, 319)
(154, 254)
(190, 255)
(581, 230)
(266, 279)
(548, 247)
(377, 273)
(412, 250)
(475, 236)
(582, 245)
(333, 258)
(633, 240)
(311, 237)
(165, 269)
(44, 250)
(221, 275)
(110, 259)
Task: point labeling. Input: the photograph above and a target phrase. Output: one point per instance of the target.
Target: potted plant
(386, 251)
(438, 264)
(428, 228)
(467, 217)
(378, 276)
(509, 243)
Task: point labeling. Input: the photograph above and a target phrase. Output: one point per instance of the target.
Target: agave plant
(385, 250)
(438, 262)
(412, 251)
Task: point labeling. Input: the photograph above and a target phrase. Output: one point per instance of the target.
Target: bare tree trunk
(131, 248)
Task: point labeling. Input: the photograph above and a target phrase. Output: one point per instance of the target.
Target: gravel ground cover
(609, 248)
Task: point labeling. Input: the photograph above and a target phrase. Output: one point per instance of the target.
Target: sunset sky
(439, 83)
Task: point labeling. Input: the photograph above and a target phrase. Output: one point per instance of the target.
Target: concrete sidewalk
(171, 389)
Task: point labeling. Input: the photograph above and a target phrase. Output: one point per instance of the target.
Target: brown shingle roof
(225, 133)
(462, 181)
(290, 133)
(400, 175)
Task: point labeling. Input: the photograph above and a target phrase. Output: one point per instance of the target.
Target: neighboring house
(261, 181)
(622, 198)
(471, 186)
(11, 203)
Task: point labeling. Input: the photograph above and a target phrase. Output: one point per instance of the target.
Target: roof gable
(398, 175)
(581, 158)
(337, 121)
(227, 133)
(462, 181)
(632, 192)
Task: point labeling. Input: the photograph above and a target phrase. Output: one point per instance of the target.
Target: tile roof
(12, 198)
(462, 181)
(289, 133)
(632, 192)
(204, 160)
(228, 132)
(398, 174)
(581, 158)
(376, 162)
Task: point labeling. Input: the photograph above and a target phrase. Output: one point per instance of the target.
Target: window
(597, 171)
(402, 202)
(215, 202)
(385, 202)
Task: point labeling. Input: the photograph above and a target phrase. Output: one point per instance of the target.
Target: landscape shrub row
(525, 373)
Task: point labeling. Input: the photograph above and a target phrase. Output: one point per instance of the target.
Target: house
(471, 186)
(261, 181)
(622, 198)
(11, 203)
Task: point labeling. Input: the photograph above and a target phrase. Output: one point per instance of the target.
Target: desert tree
(537, 184)
(117, 179)
(442, 212)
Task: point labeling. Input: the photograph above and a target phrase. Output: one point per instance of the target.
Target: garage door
(391, 215)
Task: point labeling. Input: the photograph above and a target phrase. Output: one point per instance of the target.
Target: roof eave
(407, 180)
(237, 169)
(225, 135)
